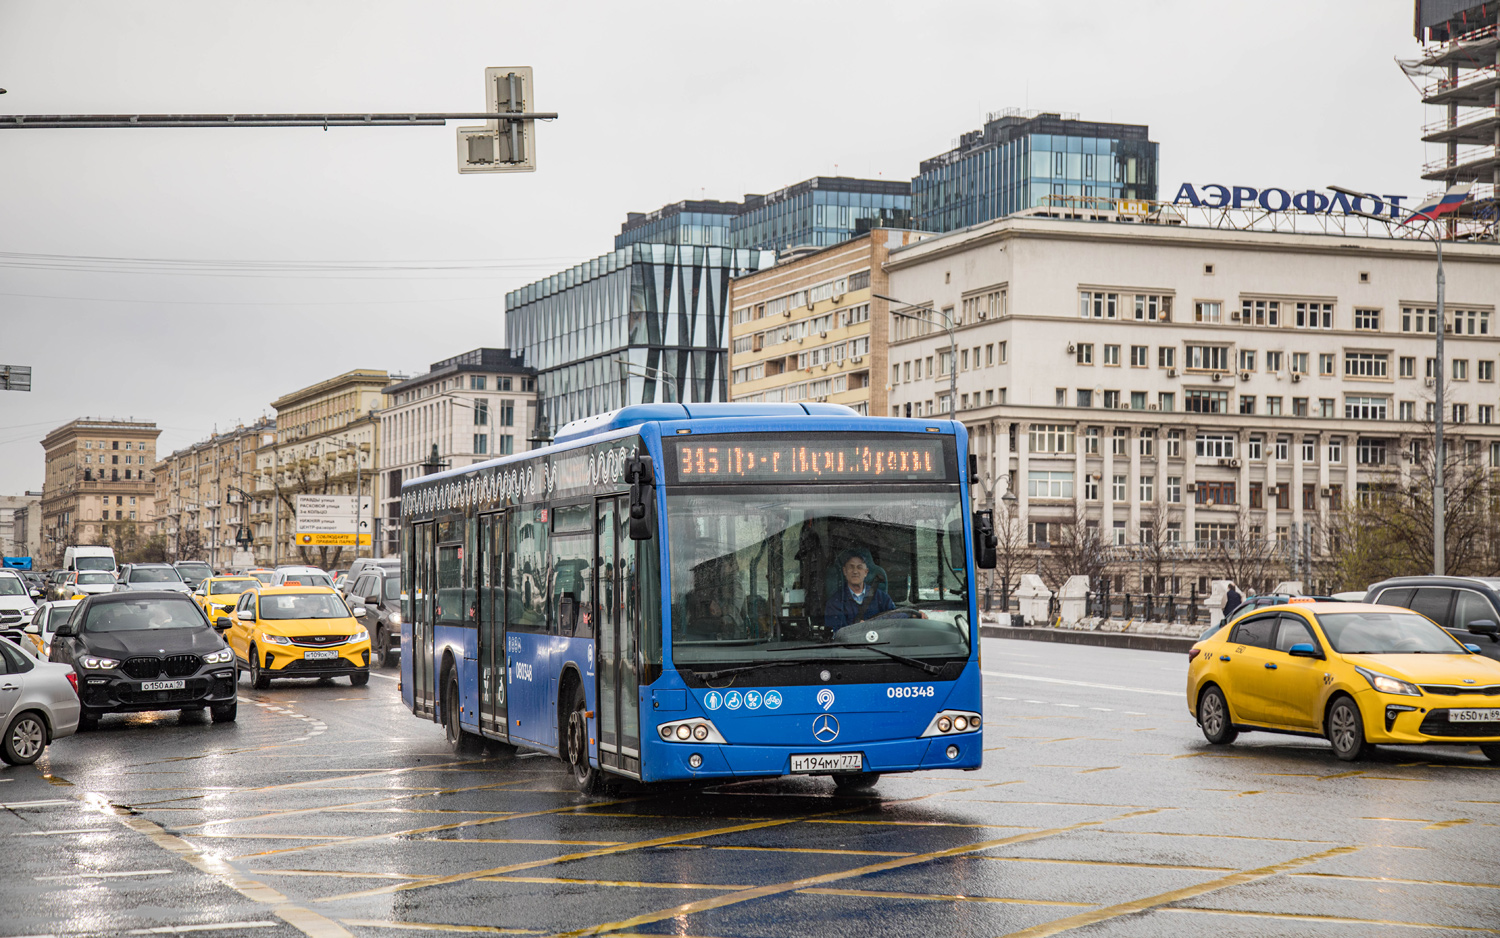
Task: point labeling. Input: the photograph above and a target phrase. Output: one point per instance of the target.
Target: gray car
(151, 576)
(38, 703)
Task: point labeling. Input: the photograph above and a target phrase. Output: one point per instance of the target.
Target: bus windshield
(761, 576)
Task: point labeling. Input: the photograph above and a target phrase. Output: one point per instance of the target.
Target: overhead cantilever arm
(410, 119)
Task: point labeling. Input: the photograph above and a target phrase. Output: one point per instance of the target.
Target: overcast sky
(659, 102)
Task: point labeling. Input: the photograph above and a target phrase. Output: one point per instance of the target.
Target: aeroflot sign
(1310, 202)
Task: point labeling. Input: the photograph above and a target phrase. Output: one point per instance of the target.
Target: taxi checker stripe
(758, 892)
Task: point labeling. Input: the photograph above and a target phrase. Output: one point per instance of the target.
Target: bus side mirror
(985, 541)
(640, 474)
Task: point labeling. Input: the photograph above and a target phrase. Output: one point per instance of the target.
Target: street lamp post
(948, 324)
(1439, 455)
(626, 365)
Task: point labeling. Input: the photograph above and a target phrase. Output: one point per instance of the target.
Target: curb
(1168, 643)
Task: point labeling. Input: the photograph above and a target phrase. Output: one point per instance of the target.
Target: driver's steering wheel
(900, 612)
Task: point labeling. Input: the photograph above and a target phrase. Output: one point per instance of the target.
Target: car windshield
(264, 577)
(85, 579)
(307, 579)
(392, 588)
(154, 575)
(303, 606)
(1386, 633)
(232, 587)
(150, 614)
(93, 563)
(755, 575)
(198, 570)
(12, 586)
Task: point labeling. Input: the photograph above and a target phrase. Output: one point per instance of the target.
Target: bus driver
(856, 600)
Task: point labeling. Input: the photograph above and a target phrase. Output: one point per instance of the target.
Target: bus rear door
(491, 651)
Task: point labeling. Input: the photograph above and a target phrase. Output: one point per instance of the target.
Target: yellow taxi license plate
(1474, 716)
(323, 655)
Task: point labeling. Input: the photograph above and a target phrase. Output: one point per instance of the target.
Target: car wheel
(87, 719)
(460, 740)
(224, 712)
(379, 648)
(855, 781)
(1213, 717)
(25, 739)
(586, 778)
(359, 678)
(1345, 728)
(259, 679)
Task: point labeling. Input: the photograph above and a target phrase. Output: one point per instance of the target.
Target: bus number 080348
(927, 691)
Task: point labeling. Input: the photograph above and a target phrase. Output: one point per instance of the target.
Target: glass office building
(692, 222)
(647, 323)
(822, 211)
(1017, 160)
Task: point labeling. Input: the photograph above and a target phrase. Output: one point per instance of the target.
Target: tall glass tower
(1018, 159)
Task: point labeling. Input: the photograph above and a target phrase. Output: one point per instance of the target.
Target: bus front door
(619, 743)
(491, 651)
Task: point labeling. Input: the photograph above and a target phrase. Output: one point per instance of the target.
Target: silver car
(38, 703)
(44, 623)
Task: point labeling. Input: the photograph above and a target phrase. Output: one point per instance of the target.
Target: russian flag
(1441, 205)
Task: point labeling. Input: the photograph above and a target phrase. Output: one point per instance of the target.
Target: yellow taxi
(263, 574)
(298, 631)
(218, 595)
(1358, 675)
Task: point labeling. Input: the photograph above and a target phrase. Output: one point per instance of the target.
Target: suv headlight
(94, 663)
(275, 639)
(223, 656)
(360, 636)
(1389, 685)
(395, 618)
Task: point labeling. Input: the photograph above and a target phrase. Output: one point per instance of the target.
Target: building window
(1090, 488)
(1309, 448)
(481, 444)
(1370, 452)
(1052, 438)
(1215, 493)
(1365, 408)
(1117, 488)
(1150, 307)
(507, 445)
(1325, 364)
(1174, 444)
(1247, 404)
(1273, 406)
(1205, 402)
(1140, 356)
(1166, 402)
(1314, 316)
(477, 382)
(1257, 495)
(1460, 413)
(1004, 357)
(1260, 313)
(1111, 400)
(1092, 305)
(1367, 364)
(1486, 413)
(1283, 445)
(1247, 359)
(1207, 311)
(1460, 369)
(1036, 533)
(1486, 370)
(481, 413)
(1148, 442)
(1166, 356)
(1091, 441)
(1336, 450)
(1049, 484)
(1119, 444)
(1137, 400)
(1254, 448)
(1085, 353)
(1207, 357)
(1325, 407)
(1215, 445)
(1111, 355)
(1148, 488)
(1299, 363)
(1062, 397)
(1174, 489)
(1299, 407)
(1408, 366)
(1418, 319)
(1085, 398)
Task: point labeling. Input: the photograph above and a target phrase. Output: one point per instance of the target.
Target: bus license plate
(829, 762)
(320, 655)
(1473, 716)
(163, 685)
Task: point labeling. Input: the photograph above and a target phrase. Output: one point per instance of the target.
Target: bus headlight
(948, 722)
(695, 730)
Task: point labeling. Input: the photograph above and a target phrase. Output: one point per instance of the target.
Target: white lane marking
(384, 677)
(184, 929)
(1103, 709)
(50, 802)
(57, 876)
(77, 830)
(1058, 680)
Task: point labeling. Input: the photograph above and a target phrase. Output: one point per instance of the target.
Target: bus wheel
(586, 778)
(461, 741)
(855, 781)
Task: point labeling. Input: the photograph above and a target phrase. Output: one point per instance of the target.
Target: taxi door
(1247, 665)
(241, 621)
(1297, 682)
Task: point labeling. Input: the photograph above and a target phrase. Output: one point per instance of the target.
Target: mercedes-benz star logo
(825, 728)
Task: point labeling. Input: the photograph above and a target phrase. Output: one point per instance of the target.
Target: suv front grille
(142, 668)
(145, 668)
(318, 641)
(183, 665)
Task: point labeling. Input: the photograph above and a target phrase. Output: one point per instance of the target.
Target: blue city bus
(704, 591)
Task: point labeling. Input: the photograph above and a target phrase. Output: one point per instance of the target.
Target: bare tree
(1156, 543)
(1247, 558)
(1077, 549)
(1010, 549)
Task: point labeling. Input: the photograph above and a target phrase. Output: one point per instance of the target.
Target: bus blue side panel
(537, 663)
(408, 695)
(448, 643)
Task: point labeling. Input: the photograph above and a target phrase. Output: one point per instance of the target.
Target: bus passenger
(857, 600)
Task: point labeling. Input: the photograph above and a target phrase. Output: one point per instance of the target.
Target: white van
(90, 558)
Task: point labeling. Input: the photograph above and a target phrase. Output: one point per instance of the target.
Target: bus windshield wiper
(726, 672)
(914, 662)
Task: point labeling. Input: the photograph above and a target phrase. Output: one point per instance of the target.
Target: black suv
(1468, 607)
(378, 589)
(140, 650)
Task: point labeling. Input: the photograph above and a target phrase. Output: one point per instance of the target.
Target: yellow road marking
(1439, 825)
(852, 853)
(434, 926)
(292, 812)
(1393, 879)
(809, 882)
(555, 880)
(1337, 919)
(524, 840)
(1124, 863)
(339, 874)
(1289, 840)
(1102, 768)
(925, 824)
(1176, 895)
(876, 894)
(1341, 775)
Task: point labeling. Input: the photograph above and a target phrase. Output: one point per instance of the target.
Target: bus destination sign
(841, 458)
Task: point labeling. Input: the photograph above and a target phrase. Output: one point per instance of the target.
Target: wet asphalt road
(330, 810)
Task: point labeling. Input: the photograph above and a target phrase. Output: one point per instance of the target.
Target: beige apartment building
(326, 443)
(19, 534)
(203, 493)
(1170, 382)
(98, 487)
(812, 328)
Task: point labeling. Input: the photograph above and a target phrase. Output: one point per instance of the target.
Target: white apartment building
(1189, 383)
(471, 407)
